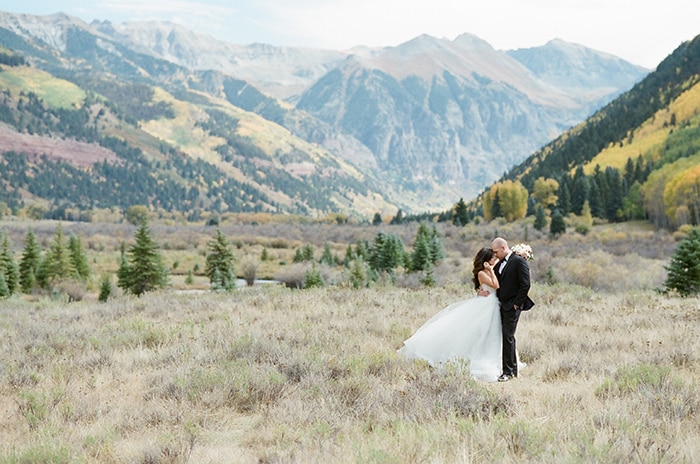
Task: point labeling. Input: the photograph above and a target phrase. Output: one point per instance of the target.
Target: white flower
(524, 250)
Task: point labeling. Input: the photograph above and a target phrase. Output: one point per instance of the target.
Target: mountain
(101, 134)
(589, 76)
(280, 72)
(635, 158)
(473, 110)
(507, 109)
(415, 126)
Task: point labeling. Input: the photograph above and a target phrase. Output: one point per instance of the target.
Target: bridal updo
(482, 256)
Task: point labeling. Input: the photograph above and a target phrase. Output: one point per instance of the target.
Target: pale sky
(642, 32)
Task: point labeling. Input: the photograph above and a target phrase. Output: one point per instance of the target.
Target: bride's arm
(487, 276)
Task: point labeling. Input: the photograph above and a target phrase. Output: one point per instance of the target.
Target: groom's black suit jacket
(514, 283)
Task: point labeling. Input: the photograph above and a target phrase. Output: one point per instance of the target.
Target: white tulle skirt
(468, 330)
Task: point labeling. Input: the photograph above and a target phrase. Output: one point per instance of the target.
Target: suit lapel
(505, 266)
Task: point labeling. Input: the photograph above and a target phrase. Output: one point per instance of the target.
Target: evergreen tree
(308, 252)
(540, 218)
(613, 202)
(349, 256)
(57, 264)
(564, 194)
(146, 271)
(461, 214)
(377, 219)
(386, 253)
(398, 219)
(189, 280)
(428, 278)
(358, 274)
(123, 271)
(312, 278)
(298, 256)
(420, 258)
(580, 191)
(29, 264)
(105, 289)
(327, 256)
(219, 263)
(557, 225)
(596, 200)
(684, 268)
(496, 206)
(4, 291)
(8, 267)
(78, 258)
(437, 250)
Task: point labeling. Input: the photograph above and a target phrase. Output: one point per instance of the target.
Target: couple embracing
(480, 329)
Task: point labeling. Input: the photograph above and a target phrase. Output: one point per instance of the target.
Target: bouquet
(524, 250)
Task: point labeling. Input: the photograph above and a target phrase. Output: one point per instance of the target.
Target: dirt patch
(70, 151)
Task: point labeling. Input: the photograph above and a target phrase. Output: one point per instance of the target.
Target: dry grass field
(272, 375)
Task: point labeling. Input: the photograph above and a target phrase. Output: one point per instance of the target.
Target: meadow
(273, 375)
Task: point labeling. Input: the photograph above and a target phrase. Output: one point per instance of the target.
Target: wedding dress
(468, 330)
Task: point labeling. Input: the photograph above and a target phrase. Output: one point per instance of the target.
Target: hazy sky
(643, 32)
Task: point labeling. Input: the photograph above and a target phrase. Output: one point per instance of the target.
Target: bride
(468, 330)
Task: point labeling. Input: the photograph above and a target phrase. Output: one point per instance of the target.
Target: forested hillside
(87, 142)
(637, 157)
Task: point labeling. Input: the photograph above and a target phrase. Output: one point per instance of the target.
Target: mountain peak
(467, 40)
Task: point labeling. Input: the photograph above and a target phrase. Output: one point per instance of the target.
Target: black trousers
(509, 322)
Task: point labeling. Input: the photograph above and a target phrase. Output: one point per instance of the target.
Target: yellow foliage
(512, 201)
(545, 191)
(651, 136)
(57, 93)
(682, 197)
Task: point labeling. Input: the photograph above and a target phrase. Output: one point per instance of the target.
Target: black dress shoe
(504, 378)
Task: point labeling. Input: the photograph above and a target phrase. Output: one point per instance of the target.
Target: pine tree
(8, 267)
(540, 218)
(557, 225)
(312, 278)
(298, 256)
(57, 264)
(307, 252)
(564, 194)
(78, 258)
(123, 271)
(4, 291)
(398, 219)
(219, 263)
(684, 268)
(496, 206)
(327, 256)
(461, 215)
(386, 253)
(429, 278)
(349, 256)
(579, 191)
(105, 289)
(29, 264)
(146, 271)
(358, 274)
(437, 250)
(377, 219)
(420, 258)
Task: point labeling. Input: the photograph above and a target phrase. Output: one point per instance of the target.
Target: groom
(513, 276)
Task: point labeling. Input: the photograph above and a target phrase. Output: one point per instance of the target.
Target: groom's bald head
(499, 246)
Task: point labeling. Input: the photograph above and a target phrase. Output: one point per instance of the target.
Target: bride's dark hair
(484, 255)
